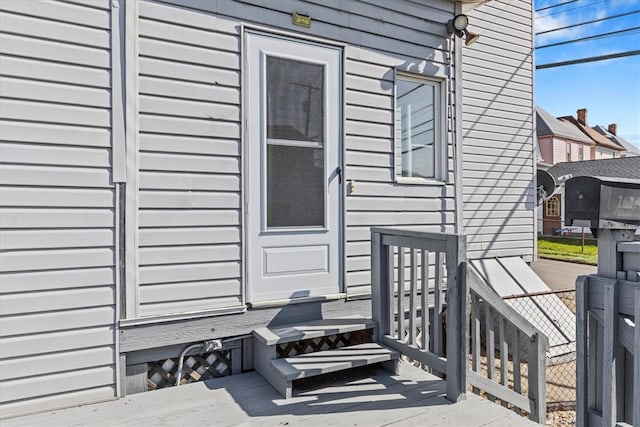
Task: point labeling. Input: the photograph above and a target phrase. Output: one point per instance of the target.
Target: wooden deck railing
(608, 351)
(505, 331)
(433, 266)
(422, 297)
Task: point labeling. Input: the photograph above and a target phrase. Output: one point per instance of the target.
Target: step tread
(314, 329)
(322, 362)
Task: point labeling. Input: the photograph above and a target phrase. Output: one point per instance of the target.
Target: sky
(610, 89)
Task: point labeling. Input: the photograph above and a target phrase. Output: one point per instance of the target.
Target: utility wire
(556, 5)
(597, 36)
(589, 22)
(590, 59)
(569, 10)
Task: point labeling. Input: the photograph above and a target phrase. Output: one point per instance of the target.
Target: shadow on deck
(367, 396)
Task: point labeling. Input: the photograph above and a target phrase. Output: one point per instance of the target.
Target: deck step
(323, 362)
(309, 330)
(282, 372)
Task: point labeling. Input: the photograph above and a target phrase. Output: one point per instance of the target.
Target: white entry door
(293, 168)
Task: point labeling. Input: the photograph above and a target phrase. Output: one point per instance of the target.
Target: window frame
(552, 208)
(440, 146)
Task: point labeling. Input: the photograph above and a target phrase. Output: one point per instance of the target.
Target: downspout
(455, 113)
(534, 133)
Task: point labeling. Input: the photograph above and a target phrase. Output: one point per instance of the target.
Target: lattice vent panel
(197, 367)
(324, 343)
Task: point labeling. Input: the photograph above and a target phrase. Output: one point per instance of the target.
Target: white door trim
(339, 207)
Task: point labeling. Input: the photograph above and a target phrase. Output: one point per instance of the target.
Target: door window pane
(295, 100)
(295, 186)
(416, 127)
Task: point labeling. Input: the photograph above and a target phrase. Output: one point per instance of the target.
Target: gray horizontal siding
(189, 83)
(498, 131)
(57, 292)
(189, 162)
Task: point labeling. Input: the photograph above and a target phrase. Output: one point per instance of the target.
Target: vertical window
(581, 152)
(553, 207)
(568, 151)
(295, 143)
(418, 129)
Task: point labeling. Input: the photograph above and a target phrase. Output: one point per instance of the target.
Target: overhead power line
(589, 22)
(597, 36)
(590, 59)
(556, 5)
(569, 10)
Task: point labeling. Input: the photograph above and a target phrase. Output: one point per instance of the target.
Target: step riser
(281, 373)
(298, 368)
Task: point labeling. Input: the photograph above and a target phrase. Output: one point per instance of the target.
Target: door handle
(339, 174)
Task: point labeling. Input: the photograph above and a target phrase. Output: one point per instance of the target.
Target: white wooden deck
(368, 396)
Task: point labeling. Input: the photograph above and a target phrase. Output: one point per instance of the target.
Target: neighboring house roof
(546, 124)
(625, 167)
(595, 136)
(632, 150)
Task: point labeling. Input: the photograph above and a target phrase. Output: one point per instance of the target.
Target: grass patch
(568, 250)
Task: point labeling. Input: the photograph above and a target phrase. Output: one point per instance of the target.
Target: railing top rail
(413, 233)
(479, 286)
(537, 294)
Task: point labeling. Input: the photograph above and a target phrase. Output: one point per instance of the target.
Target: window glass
(295, 150)
(416, 128)
(295, 100)
(553, 206)
(295, 186)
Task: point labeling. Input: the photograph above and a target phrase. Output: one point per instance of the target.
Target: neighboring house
(570, 139)
(558, 141)
(625, 167)
(611, 133)
(187, 170)
(604, 148)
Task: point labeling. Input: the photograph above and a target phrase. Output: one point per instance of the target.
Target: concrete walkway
(561, 275)
(367, 396)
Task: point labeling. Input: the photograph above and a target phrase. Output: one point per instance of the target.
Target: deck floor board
(368, 396)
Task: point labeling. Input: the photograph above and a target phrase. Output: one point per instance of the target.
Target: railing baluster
(475, 335)
(424, 282)
(390, 276)
(504, 356)
(517, 380)
(412, 297)
(437, 306)
(400, 293)
(490, 342)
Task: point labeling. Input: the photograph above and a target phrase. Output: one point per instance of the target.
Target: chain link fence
(554, 313)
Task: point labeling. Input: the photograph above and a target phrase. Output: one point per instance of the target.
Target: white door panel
(293, 147)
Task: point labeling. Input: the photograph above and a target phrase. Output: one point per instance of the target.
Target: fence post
(457, 311)
(537, 377)
(610, 355)
(636, 359)
(379, 295)
(582, 371)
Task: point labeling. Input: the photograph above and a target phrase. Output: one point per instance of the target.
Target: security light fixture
(458, 26)
(470, 38)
